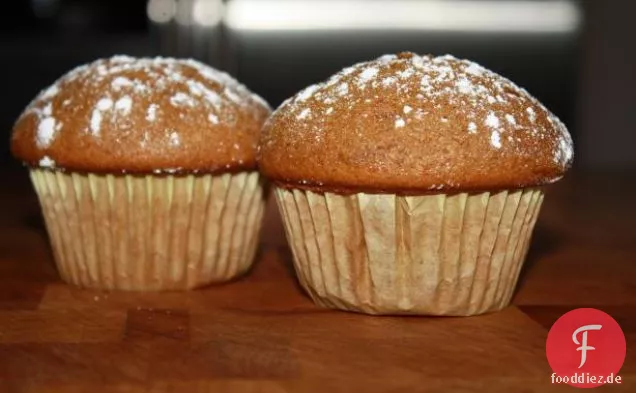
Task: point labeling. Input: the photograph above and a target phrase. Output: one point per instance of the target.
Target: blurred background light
(434, 15)
(207, 13)
(184, 12)
(161, 11)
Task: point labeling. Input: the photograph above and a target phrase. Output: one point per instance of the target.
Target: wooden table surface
(262, 334)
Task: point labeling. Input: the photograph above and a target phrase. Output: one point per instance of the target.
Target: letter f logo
(584, 347)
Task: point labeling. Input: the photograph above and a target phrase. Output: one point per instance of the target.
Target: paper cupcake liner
(150, 232)
(437, 254)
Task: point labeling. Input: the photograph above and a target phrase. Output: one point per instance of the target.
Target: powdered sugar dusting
(306, 93)
(495, 139)
(182, 99)
(343, 89)
(151, 112)
(175, 140)
(104, 104)
(492, 120)
(389, 81)
(50, 92)
(124, 82)
(124, 105)
(474, 69)
(46, 162)
(304, 114)
(121, 82)
(96, 122)
(424, 92)
(366, 76)
(45, 132)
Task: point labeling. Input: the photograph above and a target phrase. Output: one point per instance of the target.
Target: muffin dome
(141, 115)
(414, 123)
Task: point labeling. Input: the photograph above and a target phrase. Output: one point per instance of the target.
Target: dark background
(586, 75)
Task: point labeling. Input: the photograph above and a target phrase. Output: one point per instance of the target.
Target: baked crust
(409, 123)
(142, 115)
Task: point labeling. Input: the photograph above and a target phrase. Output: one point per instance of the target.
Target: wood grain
(262, 334)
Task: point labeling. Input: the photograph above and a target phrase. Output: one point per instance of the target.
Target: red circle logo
(586, 348)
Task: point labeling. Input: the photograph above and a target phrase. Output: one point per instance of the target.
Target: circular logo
(586, 348)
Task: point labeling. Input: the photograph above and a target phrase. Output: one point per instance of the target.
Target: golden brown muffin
(409, 184)
(141, 116)
(145, 170)
(407, 123)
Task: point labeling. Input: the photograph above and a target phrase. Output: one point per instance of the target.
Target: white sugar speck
(120, 82)
(303, 114)
(407, 109)
(492, 120)
(212, 118)
(348, 71)
(531, 115)
(472, 127)
(50, 92)
(104, 104)
(329, 110)
(399, 122)
(46, 162)
(342, 89)
(229, 93)
(366, 75)
(388, 81)
(464, 86)
(46, 132)
(96, 121)
(511, 119)
(174, 139)
(48, 110)
(474, 69)
(124, 104)
(407, 73)
(386, 58)
(66, 102)
(307, 93)
(180, 99)
(491, 99)
(151, 113)
(495, 139)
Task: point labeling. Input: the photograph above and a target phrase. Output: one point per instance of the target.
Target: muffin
(411, 184)
(145, 170)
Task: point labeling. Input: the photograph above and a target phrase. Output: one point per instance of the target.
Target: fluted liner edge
(439, 254)
(150, 233)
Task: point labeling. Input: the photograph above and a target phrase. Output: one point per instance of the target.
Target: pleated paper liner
(149, 233)
(438, 254)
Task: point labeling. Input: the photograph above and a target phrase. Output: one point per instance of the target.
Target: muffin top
(409, 123)
(142, 115)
